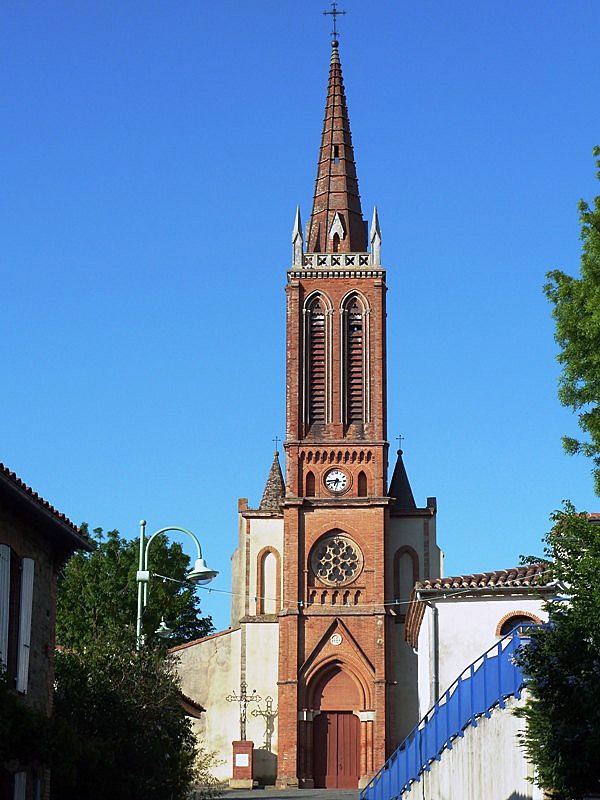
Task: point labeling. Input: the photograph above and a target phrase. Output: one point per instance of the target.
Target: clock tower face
(336, 481)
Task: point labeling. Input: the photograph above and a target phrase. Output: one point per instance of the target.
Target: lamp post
(200, 574)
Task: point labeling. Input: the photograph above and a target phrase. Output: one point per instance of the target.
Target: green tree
(577, 315)
(125, 733)
(97, 593)
(562, 737)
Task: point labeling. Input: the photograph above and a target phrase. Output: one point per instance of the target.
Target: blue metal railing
(486, 683)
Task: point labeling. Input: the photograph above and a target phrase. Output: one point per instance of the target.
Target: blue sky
(153, 154)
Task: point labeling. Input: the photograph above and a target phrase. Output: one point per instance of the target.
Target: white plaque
(335, 639)
(241, 759)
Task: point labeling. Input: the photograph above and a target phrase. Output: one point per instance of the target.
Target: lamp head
(163, 629)
(201, 574)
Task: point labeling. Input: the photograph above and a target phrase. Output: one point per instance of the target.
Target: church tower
(315, 665)
(338, 646)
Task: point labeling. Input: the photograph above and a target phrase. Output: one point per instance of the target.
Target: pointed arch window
(355, 337)
(317, 321)
(362, 484)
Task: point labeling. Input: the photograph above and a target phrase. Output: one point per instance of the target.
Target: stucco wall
(487, 763)
(466, 629)
(209, 671)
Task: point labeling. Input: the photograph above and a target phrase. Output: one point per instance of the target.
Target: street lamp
(200, 574)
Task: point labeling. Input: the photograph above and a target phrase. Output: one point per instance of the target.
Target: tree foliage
(562, 663)
(577, 315)
(126, 735)
(97, 593)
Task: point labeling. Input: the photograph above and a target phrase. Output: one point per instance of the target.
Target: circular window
(336, 560)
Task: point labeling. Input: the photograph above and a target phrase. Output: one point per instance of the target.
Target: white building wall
(209, 671)
(466, 628)
(486, 764)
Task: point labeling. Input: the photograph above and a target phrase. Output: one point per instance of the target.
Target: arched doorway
(336, 732)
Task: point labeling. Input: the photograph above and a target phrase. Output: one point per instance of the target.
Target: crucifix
(335, 14)
(243, 699)
(269, 716)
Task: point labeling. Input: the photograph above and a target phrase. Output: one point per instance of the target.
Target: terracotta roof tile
(13, 479)
(529, 575)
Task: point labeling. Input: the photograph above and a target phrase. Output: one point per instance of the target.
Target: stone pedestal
(243, 774)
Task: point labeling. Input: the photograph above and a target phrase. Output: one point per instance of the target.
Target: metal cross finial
(243, 700)
(335, 14)
(400, 439)
(276, 440)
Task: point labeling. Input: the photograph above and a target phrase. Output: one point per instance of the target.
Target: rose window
(336, 560)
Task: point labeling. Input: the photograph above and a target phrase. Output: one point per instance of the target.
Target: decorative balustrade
(486, 683)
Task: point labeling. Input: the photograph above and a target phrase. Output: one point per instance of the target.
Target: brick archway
(336, 726)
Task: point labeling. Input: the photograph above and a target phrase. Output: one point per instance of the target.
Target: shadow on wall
(265, 768)
(518, 796)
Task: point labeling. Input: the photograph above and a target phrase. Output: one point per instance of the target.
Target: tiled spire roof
(274, 489)
(336, 204)
(400, 487)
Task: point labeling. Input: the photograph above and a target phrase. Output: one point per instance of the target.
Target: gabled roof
(15, 490)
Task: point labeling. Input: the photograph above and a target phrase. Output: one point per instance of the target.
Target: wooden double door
(336, 750)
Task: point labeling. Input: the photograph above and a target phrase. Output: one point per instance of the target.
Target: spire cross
(276, 440)
(335, 14)
(400, 439)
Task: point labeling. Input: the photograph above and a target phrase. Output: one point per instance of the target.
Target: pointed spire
(400, 487)
(336, 198)
(274, 488)
(375, 239)
(297, 239)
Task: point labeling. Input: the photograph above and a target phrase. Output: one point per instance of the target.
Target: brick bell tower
(332, 625)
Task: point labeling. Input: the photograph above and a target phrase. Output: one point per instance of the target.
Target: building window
(268, 581)
(513, 619)
(355, 360)
(317, 365)
(362, 484)
(309, 487)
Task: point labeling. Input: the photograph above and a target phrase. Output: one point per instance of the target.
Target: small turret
(400, 487)
(274, 492)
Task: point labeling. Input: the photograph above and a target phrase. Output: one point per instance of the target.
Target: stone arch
(510, 621)
(268, 581)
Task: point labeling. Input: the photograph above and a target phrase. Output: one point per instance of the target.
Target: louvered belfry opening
(316, 363)
(355, 363)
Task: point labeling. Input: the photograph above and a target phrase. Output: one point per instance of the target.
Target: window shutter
(20, 784)
(4, 602)
(25, 624)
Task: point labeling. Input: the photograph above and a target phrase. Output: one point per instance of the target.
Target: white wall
(466, 629)
(486, 764)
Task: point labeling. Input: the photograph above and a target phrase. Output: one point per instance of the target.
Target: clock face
(336, 480)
